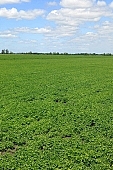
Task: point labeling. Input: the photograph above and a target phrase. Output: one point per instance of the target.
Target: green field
(56, 112)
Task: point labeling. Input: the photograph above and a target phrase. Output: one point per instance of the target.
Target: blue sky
(56, 26)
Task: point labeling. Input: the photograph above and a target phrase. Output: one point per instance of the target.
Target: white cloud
(111, 4)
(7, 35)
(99, 40)
(28, 41)
(75, 13)
(76, 16)
(14, 13)
(62, 31)
(57, 32)
(32, 30)
(77, 3)
(12, 1)
(106, 29)
(52, 3)
(101, 3)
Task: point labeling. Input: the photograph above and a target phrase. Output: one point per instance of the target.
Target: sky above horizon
(56, 26)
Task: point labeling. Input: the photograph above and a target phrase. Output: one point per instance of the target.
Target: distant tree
(7, 51)
(109, 54)
(30, 52)
(54, 53)
(11, 52)
(3, 51)
(65, 53)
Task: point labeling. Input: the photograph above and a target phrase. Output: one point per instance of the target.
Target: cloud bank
(85, 25)
(12, 1)
(14, 13)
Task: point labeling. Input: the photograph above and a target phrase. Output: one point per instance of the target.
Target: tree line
(6, 51)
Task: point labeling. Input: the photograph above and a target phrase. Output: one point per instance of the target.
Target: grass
(56, 112)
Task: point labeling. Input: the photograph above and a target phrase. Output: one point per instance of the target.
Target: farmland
(56, 112)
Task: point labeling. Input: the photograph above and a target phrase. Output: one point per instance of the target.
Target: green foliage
(3, 51)
(56, 112)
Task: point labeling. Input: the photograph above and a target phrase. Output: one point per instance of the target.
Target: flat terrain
(56, 112)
